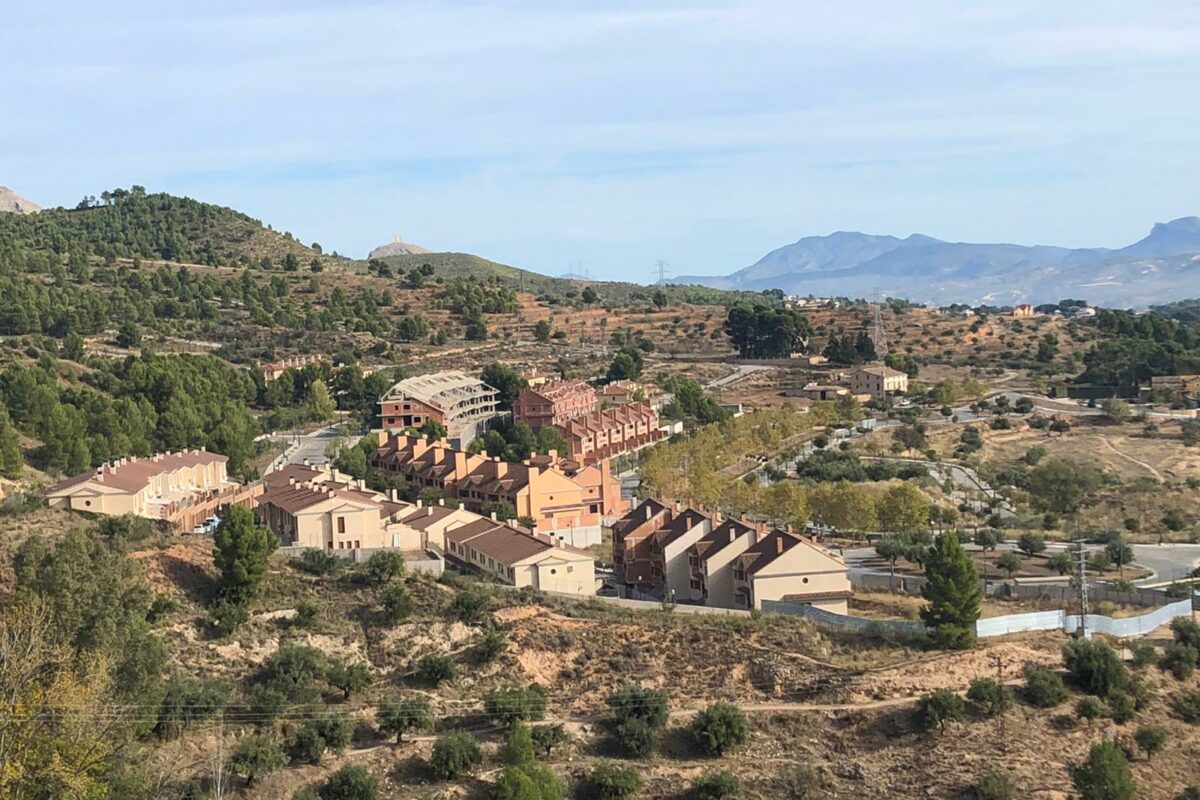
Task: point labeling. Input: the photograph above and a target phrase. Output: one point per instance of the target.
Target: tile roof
(720, 537)
(767, 549)
(134, 474)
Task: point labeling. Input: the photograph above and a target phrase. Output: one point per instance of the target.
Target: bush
(636, 737)
(226, 616)
(800, 782)
(528, 782)
(493, 645)
(715, 786)
(1190, 793)
(719, 727)
(255, 755)
(383, 567)
(307, 614)
(410, 714)
(1186, 631)
(434, 669)
(1090, 708)
(511, 704)
(1180, 660)
(548, 737)
(608, 781)
(397, 603)
(1151, 739)
(350, 783)
(1105, 775)
(350, 678)
(518, 745)
(189, 700)
(265, 704)
(307, 744)
(937, 709)
(1043, 687)
(316, 561)
(1121, 706)
(293, 669)
(469, 606)
(455, 754)
(1187, 706)
(1094, 667)
(995, 784)
(990, 697)
(1144, 654)
(632, 701)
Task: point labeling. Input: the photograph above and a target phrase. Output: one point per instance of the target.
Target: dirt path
(1127, 457)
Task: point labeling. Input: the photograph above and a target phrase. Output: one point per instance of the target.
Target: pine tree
(954, 594)
(242, 551)
(11, 459)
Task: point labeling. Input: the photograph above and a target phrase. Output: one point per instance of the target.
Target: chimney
(420, 503)
(306, 463)
(732, 534)
(429, 511)
(441, 502)
(647, 512)
(778, 545)
(394, 495)
(493, 516)
(677, 507)
(292, 481)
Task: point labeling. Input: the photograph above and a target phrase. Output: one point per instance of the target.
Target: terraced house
(612, 432)
(554, 403)
(521, 557)
(691, 556)
(460, 402)
(564, 499)
(178, 489)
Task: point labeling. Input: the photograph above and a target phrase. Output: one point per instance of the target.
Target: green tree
(548, 737)
(1009, 562)
(349, 677)
(528, 782)
(434, 669)
(1062, 486)
(1151, 739)
(128, 335)
(1031, 544)
(397, 602)
(12, 460)
(719, 727)
(413, 713)
(715, 786)
(508, 705)
(242, 549)
(507, 381)
(903, 509)
(991, 698)
(541, 331)
(454, 754)
(939, 708)
(953, 593)
(609, 781)
(319, 404)
(1043, 687)
(518, 745)
(1114, 410)
(256, 754)
(1105, 775)
(383, 567)
(350, 783)
(1093, 666)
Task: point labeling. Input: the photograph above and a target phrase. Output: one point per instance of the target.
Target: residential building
(319, 507)
(1172, 387)
(565, 499)
(612, 432)
(460, 402)
(1022, 310)
(818, 391)
(691, 556)
(554, 403)
(521, 558)
(878, 381)
(271, 370)
(618, 392)
(179, 489)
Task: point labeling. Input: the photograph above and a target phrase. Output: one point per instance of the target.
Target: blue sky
(553, 133)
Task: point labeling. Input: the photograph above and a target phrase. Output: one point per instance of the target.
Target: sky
(561, 136)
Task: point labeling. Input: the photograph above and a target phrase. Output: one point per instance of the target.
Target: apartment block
(460, 402)
(178, 489)
(612, 432)
(566, 500)
(554, 403)
(691, 556)
(878, 381)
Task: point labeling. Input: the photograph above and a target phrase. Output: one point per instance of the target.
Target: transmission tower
(1083, 589)
(880, 334)
(660, 268)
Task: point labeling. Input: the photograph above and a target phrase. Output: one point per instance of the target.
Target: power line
(661, 270)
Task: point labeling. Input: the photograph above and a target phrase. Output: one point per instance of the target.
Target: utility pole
(1083, 590)
(660, 267)
(218, 778)
(880, 335)
(998, 661)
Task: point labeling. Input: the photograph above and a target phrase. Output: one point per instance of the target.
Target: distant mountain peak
(397, 247)
(1168, 238)
(12, 202)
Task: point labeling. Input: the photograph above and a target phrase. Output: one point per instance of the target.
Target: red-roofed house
(554, 403)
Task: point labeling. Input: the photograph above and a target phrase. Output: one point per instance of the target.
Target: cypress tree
(954, 594)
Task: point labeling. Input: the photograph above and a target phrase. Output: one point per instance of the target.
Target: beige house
(522, 558)
(878, 381)
(711, 578)
(180, 489)
(783, 566)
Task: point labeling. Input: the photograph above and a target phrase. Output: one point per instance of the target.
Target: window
(87, 503)
(341, 524)
(357, 544)
(553, 571)
(695, 584)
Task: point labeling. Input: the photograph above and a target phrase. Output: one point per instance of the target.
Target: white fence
(1132, 626)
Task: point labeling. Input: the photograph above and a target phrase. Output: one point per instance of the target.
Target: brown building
(689, 555)
(522, 558)
(180, 489)
(618, 392)
(604, 434)
(460, 402)
(878, 381)
(566, 500)
(554, 403)
(273, 369)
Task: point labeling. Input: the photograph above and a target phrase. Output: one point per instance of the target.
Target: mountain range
(1163, 266)
(12, 202)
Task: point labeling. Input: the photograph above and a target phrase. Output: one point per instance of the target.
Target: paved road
(1169, 561)
(740, 371)
(308, 445)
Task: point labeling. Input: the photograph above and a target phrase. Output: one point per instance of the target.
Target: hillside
(12, 202)
(925, 269)
(397, 247)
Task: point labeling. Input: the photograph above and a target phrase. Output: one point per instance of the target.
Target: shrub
(990, 697)
(608, 781)
(1179, 659)
(937, 709)
(350, 678)
(316, 561)
(1094, 667)
(189, 700)
(493, 645)
(1187, 706)
(715, 786)
(548, 737)
(1090, 708)
(1144, 654)
(468, 606)
(1121, 706)
(1186, 631)
(397, 603)
(508, 705)
(307, 744)
(632, 701)
(410, 714)
(454, 754)
(337, 731)
(350, 783)
(995, 784)
(1151, 739)
(528, 782)
(307, 614)
(1105, 775)
(256, 754)
(800, 782)
(1190, 793)
(433, 668)
(383, 567)
(293, 669)
(226, 616)
(518, 745)
(636, 737)
(265, 703)
(719, 727)
(1043, 687)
